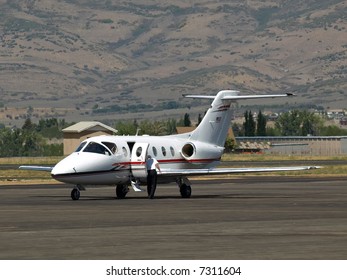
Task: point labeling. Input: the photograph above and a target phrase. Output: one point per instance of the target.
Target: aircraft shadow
(167, 197)
(91, 198)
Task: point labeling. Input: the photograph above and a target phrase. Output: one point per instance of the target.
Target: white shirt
(150, 164)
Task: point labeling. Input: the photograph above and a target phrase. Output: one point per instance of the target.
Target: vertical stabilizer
(214, 127)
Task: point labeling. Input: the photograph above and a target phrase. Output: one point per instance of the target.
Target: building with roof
(75, 134)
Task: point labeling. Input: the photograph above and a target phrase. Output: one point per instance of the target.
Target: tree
(311, 124)
(158, 128)
(332, 130)
(299, 123)
(289, 123)
(127, 128)
(171, 127)
(28, 125)
(186, 120)
(238, 129)
(199, 119)
(249, 124)
(261, 124)
(229, 145)
(32, 144)
(18, 142)
(51, 128)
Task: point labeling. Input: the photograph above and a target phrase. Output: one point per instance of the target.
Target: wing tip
(36, 168)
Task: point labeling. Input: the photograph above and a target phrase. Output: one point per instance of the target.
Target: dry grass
(10, 173)
(29, 160)
(23, 176)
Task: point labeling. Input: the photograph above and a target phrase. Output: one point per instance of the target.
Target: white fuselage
(105, 160)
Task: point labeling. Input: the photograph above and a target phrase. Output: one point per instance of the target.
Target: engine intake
(188, 150)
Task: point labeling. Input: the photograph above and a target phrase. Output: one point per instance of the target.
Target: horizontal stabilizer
(199, 96)
(36, 168)
(238, 97)
(233, 96)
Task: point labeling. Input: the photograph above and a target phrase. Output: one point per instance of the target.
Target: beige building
(75, 134)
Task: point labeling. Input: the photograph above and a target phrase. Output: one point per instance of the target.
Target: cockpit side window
(80, 147)
(111, 146)
(93, 147)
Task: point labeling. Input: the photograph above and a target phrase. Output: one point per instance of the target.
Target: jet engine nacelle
(198, 152)
(188, 151)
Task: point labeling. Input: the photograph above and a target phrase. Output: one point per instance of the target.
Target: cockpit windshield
(111, 146)
(80, 147)
(97, 148)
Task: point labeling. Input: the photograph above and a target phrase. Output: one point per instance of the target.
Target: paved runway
(256, 217)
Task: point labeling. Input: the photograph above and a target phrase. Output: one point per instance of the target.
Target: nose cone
(81, 168)
(63, 167)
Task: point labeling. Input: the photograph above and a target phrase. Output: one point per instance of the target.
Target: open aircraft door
(138, 160)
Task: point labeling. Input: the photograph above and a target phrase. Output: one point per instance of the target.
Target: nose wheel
(75, 193)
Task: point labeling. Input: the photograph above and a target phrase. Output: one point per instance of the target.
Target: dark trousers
(151, 182)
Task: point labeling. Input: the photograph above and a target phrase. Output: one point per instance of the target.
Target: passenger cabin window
(111, 146)
(125, 152)
(163, 150)
(155, 153)
(80, 147)
(172, 150)
(96, 148)
(139, 151)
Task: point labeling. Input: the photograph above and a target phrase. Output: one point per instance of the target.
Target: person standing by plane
(152, 165)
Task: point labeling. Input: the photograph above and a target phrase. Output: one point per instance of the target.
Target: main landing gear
(184, 186)
(121, 191)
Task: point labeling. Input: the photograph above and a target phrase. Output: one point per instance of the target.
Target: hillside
(89, 59)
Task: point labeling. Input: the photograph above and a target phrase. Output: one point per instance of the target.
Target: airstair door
(138, 160)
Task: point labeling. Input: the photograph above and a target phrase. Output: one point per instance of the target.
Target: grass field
(10, 174)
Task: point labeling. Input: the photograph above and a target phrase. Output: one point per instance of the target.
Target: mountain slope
(99, 57)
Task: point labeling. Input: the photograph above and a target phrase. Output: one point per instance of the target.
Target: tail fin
(214, 127)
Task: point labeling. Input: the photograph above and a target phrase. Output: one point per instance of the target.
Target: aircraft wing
(221, 171)
(36, 168)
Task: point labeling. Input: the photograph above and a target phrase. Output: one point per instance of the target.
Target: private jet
(121, 160)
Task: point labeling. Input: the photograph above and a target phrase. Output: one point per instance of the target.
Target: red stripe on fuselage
(169, 161)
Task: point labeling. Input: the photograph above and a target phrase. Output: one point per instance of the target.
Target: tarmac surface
(257, 217)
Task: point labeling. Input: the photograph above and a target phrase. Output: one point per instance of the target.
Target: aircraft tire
(121, 191)
(186, 191)
(75, 194)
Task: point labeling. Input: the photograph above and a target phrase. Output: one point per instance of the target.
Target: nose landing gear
(75, 193)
